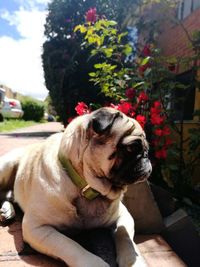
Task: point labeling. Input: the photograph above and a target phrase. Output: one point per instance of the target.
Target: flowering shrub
(126, 86)
(138, 89)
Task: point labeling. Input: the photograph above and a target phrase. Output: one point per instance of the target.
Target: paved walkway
(29, 135)
(154, 249)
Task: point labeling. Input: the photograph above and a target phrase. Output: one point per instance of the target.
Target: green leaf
(120, 36)
(105, 87)
(80, 28)
(92, 74)
(113, 67)
(136, 85)
(112, 23)
(147, 72)
(113, 31)
(108, 52)
(145, 61)
(99, 65)
(77, 28)
(127, 49)
(181, 86)
(121, 83)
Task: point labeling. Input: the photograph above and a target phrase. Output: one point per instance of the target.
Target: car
(49, 117)
(11, 108)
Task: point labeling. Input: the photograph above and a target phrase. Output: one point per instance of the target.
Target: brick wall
(174, 41)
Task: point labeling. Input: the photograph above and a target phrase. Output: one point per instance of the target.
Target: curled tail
(8, 167)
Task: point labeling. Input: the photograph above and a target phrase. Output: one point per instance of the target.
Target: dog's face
(117, 149)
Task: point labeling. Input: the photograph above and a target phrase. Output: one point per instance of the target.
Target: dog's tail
(8, 167)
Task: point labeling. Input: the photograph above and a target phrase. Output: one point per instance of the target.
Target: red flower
(154, 111)
(141, 119)
(91, 15)
(124, 107)
(166, 130)
(162, 132)
(82, 108)
(157, 119)
(156, 108)
(157, 104)
(156, 142)
(130, 93)
(143, 97)
(143, 68)
(158, 132)
(168, 142)
(146, 51)
(161, 154)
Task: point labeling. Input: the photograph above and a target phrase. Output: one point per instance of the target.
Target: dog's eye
(113, 155)
(136, 147)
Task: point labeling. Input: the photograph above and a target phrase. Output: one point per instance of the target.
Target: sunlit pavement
(26, 136)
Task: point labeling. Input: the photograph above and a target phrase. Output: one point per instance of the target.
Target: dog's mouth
(131, 172)
(132, 164)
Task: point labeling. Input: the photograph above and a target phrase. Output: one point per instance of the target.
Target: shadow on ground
(29, 134)
(98, 241)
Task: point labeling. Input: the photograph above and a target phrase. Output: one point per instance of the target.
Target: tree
(65, 63)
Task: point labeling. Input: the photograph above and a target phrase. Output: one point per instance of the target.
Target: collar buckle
(85, 189)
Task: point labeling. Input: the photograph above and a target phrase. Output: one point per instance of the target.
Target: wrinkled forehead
(126, 128)
(128, 124)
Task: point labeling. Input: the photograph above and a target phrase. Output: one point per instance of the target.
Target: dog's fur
(109, 151)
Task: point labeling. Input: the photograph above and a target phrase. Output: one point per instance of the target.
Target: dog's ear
(103, 120)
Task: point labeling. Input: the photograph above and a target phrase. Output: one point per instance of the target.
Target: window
(186, 7)
(183, 99)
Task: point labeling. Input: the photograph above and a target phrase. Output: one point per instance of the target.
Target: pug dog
(76, 180)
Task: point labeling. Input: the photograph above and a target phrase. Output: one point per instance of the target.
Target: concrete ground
(29, 135)
(154, 249)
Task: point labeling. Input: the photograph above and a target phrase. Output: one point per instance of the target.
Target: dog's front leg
(47, 240)
(128, 254)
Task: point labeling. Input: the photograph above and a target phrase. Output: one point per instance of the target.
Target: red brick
(25, 261)
(157, 252)
(11, 239)
(173, 39)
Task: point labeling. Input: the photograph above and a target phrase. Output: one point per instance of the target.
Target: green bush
(33, 109)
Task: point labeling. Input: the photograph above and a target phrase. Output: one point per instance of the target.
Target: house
(8, 91)
(175, 40)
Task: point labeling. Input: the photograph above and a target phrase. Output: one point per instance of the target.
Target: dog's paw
(7, 211)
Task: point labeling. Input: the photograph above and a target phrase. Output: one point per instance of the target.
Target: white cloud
(31, 3)
(20, 60)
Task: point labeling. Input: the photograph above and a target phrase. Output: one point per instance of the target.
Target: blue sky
(21, 39)
(5, 28)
